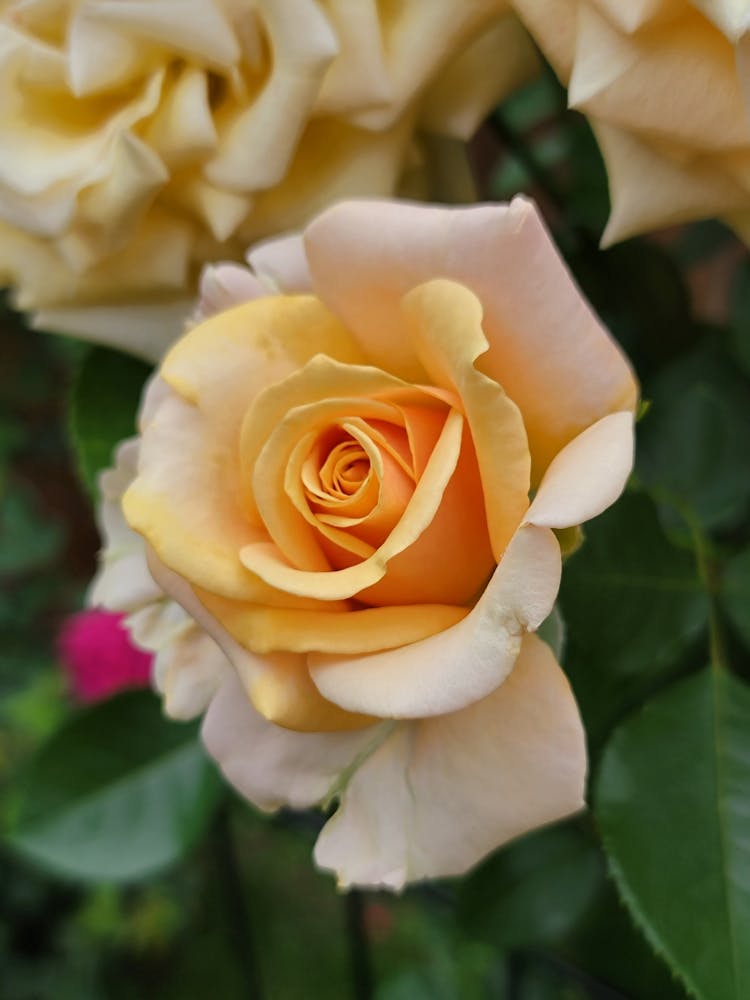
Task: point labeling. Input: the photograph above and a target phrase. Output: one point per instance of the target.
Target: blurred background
(98, 904)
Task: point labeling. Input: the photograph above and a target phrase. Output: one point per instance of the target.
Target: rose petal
(254, 154)
(188, 671)
(365, 255)
(147, 330)
(466, 89)
(365, 163)
(186, 498)
(182, 130)
(448, 337)
(441, 793)
(587, 476)
(223, 286)
(676, 191)
(183, 508)
(318, 394)
(418, 39)
(270, 766)
(464, 663)
(656, 84)
(265, 630)
(638, 13)
(270, 565)
(731, 17)
(555, 21)
(281, 262)
(279, 685)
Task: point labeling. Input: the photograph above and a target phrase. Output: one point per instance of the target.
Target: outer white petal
(441, 793)
(272, 766)
(188, 665)
(282, 264)
(188, 671)
(123, 581)
(587, 476)
(223, 286)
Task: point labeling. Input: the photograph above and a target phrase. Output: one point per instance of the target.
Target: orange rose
(335, 484)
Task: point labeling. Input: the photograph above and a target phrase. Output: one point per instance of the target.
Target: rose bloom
(353, 488)
(99, 657)
(140, 140)
(661, 82)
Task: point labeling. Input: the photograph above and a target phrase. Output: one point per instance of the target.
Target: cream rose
(352, 488)
(140, 140)
(665, 84)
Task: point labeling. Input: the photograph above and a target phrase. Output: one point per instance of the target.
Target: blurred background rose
(141, 139)
(664, 85)
(99, 657)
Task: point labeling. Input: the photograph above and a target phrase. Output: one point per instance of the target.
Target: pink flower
(99, 657)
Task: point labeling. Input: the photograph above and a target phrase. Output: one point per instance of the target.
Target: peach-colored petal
(222, 364)
(279, 685)
(186, 497)
(365, 255)
(464, 663)
(386, 485)
(313, 398)
(439, 794)
(183, 508)
(268, 562)
(274, 767)
(455, 545)
(448, 337)
(280, 688)
(587, 476)
(266, 630)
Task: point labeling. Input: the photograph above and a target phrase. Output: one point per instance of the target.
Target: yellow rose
(352, 487)
(140, 140)
(661, 82)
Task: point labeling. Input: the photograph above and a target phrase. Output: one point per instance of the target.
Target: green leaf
(633, 604)
(533, 890)
(117, 794)
(672, 806)
(693, 445)
(735, 593)
(606, 946)
(103, 407)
